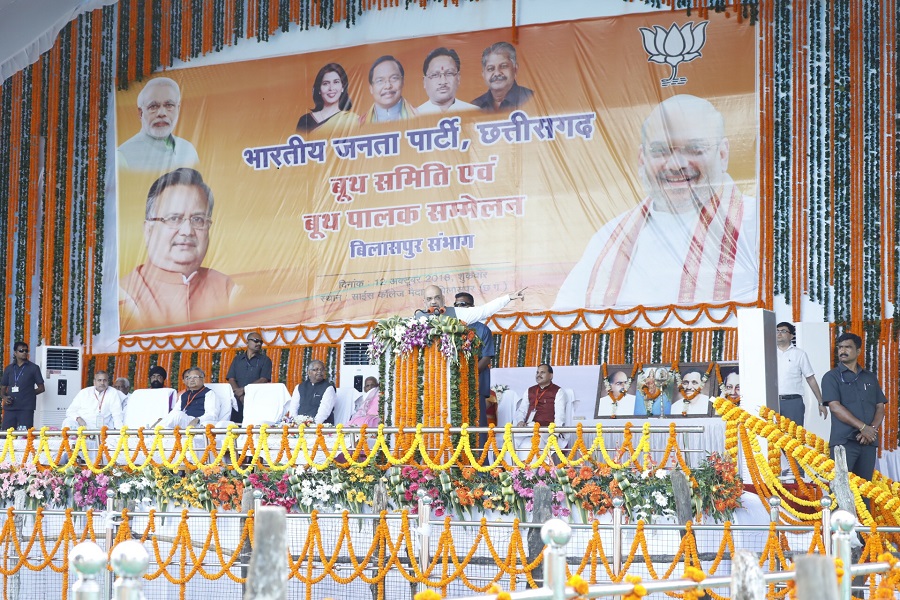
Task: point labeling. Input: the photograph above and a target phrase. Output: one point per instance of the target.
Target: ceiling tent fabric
(30, 28)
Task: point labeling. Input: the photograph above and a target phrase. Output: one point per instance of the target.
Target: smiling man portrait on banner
(692, 239)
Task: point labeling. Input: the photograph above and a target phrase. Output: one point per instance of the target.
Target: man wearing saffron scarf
(694, 237)
(386, 87)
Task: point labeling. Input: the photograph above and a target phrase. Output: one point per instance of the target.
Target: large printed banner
(602, 163)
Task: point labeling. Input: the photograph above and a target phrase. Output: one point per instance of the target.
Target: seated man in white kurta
(198, 405)
(690, 400)
(617, 401)
(96, 406)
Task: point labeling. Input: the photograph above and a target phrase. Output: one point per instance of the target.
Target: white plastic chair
(225, 399)
(345, 404)
(506, 413)
(146, 406)
(567, 439)
(264, 403)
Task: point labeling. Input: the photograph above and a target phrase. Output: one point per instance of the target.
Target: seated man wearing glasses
(442, 77)
(197, 405)
(154, 147)
(171, 288)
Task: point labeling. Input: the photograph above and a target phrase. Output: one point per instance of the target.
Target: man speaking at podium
(472, 316)
(434, 305)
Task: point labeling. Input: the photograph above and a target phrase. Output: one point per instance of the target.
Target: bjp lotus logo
(674, 46)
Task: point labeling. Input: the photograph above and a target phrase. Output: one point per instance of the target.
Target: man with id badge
(96, 406)
(19, 387)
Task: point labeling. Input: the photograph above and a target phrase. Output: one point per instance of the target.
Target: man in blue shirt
(250, 366)
(465, 299)
(21, 384)
(857, 406)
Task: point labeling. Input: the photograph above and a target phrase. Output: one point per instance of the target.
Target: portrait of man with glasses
(172, 288)
(20, 386)
(694, 238)
(442, 76)
(386, 86)
(155, 147)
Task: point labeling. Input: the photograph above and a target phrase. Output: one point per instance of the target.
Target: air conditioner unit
(355, 365)
(61, 367)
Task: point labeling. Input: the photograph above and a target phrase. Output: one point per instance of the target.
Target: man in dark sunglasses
(250, 366)
(20, 385)
(857, 404)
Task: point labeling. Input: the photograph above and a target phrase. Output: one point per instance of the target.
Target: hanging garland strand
(818, 158)
(6, 168)
(21, 232)
(61, 191)
(106, 82)
(896, 190)
(841, 175)
(871, 193)
(781, 144)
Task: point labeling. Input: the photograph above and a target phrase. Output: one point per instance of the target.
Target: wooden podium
(424, 385)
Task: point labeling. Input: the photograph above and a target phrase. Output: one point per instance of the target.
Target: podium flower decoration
(674, 46)
(399, 335)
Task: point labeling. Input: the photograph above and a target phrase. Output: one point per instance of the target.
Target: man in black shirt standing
(250, 366)
(857, 407)
(20, 385)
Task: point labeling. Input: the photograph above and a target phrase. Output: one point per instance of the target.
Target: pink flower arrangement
(274, 487)
(89, 490)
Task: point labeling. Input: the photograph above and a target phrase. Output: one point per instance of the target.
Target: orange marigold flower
(468, 472)
(586, 472)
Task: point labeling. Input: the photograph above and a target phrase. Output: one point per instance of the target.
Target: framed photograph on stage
(615, 393)
(655, 386)
(730, 384)
(695, 385)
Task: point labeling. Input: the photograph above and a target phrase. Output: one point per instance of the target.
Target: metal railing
(556, 534)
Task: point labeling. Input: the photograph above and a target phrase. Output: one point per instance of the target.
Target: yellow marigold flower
(504, 596)
(427, 595)
(578, 584)
(694, 574)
